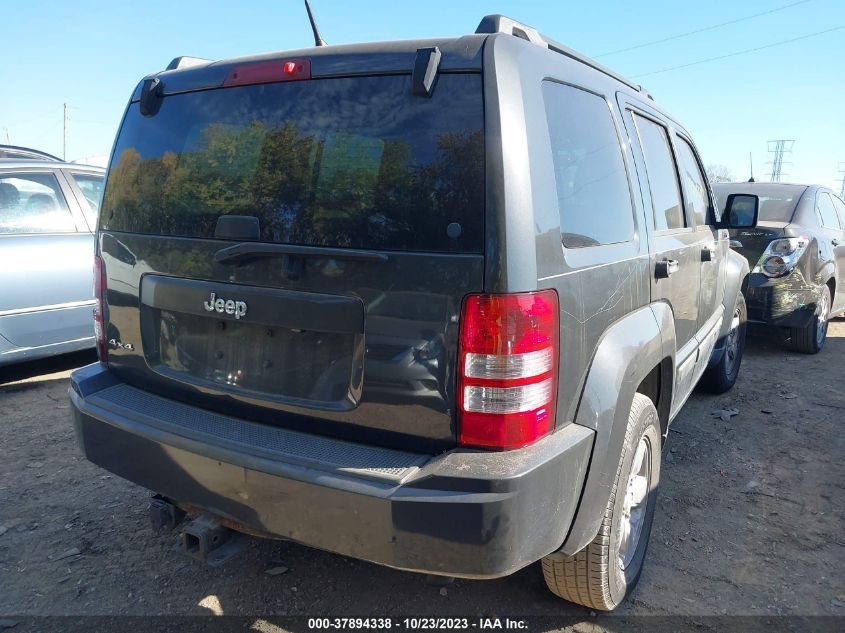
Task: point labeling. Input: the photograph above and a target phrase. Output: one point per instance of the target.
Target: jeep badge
(216, 304)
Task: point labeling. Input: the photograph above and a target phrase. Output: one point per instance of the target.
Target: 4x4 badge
(229, 306)
(115, 344)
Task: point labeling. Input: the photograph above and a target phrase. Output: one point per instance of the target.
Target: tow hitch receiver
(206, 540)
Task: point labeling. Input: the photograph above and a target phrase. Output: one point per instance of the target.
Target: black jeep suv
(432, 304)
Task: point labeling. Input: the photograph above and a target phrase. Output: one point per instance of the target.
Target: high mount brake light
(269, 72)
(99, 308)
(508, 368)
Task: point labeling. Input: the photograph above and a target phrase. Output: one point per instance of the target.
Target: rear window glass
(777, 204)
(349, 162)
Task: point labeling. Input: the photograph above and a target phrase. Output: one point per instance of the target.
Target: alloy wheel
(635, 503)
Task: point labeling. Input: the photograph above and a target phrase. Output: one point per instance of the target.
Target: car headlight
(781, 256)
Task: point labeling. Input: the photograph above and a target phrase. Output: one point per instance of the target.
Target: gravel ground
(750, 520)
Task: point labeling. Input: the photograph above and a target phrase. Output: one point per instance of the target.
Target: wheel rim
(635, 503)
(732, 344)
(821, 320)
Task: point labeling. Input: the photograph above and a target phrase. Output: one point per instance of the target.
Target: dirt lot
(750, 519)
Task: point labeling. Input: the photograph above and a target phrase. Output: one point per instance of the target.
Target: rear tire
(722, 376)
(811, 338)
(602, 574)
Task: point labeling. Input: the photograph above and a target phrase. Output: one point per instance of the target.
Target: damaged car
(797, 258)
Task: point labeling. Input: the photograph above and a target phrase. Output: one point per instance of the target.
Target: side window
(594, 199)
(695, 186)
(840, 209)
(662, 175)
(91, 187)
(827, 212)
(33, 203)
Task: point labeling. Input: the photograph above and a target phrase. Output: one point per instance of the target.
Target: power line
(743, 52)
(49, 113)
(701, 30)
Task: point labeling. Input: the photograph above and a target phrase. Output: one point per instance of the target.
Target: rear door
(833, 233)
(46, 258)
(297, 253)
(675, 243)
(839, 299)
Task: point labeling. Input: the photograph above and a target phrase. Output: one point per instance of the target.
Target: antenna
(318, 41)
(751, 163)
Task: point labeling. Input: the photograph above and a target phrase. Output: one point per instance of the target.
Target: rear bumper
(786, 302)
(463, 513)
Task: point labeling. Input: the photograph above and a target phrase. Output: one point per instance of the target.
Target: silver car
(48, 210)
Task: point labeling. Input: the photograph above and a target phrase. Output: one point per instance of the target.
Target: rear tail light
(99, 308)
(508, 365)
(781, 255)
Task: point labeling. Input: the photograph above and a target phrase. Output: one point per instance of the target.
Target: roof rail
(503, 24)
(186, 61)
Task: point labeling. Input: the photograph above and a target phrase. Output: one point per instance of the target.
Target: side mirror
(741, 211)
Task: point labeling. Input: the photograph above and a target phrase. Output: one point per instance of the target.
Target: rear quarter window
(348, 162)
(594, 199)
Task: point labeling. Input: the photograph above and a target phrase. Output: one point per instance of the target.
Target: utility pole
(779, 148)
(64, 137)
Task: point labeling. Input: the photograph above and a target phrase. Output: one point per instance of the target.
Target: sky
(90, 54)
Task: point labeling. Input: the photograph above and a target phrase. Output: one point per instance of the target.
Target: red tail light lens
(508, 367)
(99, 309)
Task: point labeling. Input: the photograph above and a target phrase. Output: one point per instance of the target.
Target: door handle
(665, 268)
(707, 254)
(835, 242)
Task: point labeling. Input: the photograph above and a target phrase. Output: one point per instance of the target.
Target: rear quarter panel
(598, 285)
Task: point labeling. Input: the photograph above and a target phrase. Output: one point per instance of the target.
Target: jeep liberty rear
(337, 305)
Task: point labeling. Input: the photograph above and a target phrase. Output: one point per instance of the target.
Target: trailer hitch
(206, 540)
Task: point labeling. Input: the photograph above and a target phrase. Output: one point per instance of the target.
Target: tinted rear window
(349, 162)
(777, 203)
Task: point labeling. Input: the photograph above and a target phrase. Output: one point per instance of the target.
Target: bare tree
(719, 173)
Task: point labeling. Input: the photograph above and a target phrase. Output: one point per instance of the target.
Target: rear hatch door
(296, 253)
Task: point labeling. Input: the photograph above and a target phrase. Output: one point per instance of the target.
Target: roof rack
(25, 153)
(186, 61)
(503, 24)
